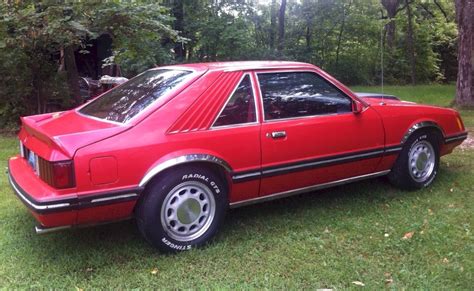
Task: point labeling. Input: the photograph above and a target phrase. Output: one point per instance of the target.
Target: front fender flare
(419, 125)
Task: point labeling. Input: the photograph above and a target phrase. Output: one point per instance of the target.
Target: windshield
(124, 102)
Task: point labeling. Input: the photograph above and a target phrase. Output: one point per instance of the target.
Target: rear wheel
(183, 209)
(418, 162)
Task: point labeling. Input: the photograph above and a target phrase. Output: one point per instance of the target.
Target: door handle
(278, 134)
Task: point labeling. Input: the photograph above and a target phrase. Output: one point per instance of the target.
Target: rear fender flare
(182, 159)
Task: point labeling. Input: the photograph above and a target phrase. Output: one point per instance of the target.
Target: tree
(341, 30)
(392, 9)
(465, 81)
(42, 37)
(281, 25)
(178, 13)
(410, 42)
(272, 24)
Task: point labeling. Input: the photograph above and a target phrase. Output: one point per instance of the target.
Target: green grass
(441, 95)
(326, 239)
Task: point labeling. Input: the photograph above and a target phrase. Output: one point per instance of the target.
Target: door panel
(319, 149)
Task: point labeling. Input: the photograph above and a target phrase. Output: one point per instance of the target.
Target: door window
(299, 94)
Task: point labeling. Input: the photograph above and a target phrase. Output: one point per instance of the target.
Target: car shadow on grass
(355, 199)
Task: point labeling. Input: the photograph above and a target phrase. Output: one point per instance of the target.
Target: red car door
(310, 134)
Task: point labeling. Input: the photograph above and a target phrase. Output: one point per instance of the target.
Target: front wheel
(418, 162)
(182, 209)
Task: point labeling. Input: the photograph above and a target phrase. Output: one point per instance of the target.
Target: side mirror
(358, 107)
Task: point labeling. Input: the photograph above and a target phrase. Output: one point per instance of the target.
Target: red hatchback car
(175, 146)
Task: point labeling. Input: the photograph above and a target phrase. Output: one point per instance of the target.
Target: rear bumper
(52, 210)
(35, 205)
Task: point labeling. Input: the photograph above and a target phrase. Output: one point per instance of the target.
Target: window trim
(257, 119)
(193, 74)
(298, 117)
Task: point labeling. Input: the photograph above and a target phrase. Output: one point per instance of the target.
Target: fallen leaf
(358, 283)
(154, 271)
(408, 235)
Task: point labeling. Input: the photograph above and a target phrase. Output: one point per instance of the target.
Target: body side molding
(455, 138)
(283, 168)
(306, 189)
(183, 160)
(419, 125)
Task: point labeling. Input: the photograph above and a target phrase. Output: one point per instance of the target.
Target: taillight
(63, 173)
(59, 175)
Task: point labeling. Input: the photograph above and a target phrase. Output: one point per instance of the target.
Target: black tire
(170, 215)
(403, 171)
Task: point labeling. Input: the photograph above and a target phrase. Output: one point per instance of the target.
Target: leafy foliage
(34, 35)
(345, 37)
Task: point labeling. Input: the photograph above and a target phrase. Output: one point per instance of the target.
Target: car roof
(242, 65)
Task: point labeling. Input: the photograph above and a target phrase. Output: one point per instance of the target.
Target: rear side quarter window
(240, 106)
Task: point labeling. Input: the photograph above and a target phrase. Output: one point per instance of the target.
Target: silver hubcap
(188, 211)
(421, 161)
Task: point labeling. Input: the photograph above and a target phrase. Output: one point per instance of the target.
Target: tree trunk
(281, 25)
(392, 9)
(410, 43)
(308, 36)
(178, 13)
(272, 25)
(341, 31)
(72, 74)
(465, 81)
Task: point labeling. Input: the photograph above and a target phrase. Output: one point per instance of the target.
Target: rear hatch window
(127, 100)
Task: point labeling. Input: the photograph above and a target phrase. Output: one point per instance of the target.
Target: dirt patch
(468, 143)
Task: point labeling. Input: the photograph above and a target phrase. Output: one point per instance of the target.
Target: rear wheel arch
(222, 172)
(206, 160)
(213, 163)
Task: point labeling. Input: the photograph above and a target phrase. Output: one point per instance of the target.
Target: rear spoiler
(52, 148)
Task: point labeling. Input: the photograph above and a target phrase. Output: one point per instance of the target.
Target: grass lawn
(327, 239)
